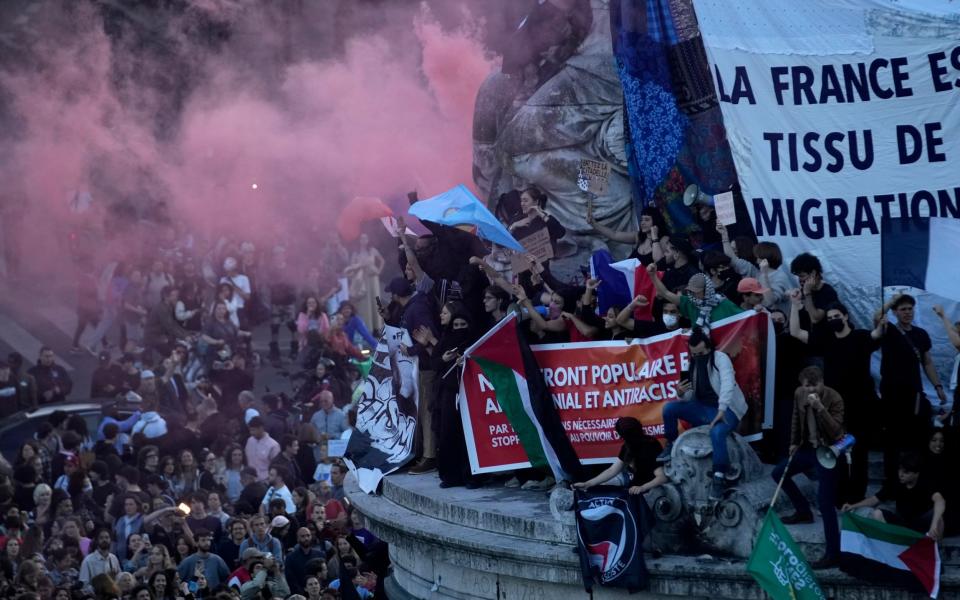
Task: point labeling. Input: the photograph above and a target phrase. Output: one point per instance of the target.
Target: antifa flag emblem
(611, 525)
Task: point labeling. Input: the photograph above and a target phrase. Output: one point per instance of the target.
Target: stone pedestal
(502, 544)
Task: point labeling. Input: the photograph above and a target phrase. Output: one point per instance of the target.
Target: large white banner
(839, 113)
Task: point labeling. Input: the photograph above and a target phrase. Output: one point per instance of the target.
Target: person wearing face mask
(701, 303)
(666, 317)
(708, 395)
(846, 353)
(552, 328)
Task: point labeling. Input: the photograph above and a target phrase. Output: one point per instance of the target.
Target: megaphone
(692, 195)
(828, 455)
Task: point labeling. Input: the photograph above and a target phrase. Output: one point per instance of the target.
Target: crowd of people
(194, 486)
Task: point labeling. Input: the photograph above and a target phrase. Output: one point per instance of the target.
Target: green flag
(778, 565)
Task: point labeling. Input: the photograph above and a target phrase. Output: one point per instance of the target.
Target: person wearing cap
(203, 561)
(248, 558)
(260, 449)
(701, 304)
(420, 313)
(267, 580)
(752, 293)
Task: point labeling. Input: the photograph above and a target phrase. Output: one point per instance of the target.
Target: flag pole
(782, 478)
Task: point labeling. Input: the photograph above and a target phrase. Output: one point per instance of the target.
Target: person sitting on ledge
(636, 465)
(709, 394)
(919, 504)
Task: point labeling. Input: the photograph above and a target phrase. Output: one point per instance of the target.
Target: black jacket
(50, 378)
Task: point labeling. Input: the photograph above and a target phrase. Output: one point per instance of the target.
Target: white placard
(723, 204)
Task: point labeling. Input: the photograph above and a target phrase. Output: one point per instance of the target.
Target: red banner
(595, 383)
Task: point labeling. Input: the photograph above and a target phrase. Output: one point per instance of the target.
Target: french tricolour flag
(621, 282)
(922, 253)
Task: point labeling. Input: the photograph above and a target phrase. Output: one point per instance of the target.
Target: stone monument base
(495, 543)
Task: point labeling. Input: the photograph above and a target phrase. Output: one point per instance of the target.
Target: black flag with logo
(611, 525)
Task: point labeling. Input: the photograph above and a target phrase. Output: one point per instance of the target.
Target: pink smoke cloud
(380, 119)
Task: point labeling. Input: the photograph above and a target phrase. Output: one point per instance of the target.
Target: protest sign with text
(595, 383)
(840, 115)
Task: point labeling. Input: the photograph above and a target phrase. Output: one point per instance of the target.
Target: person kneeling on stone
(636, 465)
(709, 394)
(817, 421)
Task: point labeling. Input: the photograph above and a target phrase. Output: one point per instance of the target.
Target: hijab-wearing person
(456, 335)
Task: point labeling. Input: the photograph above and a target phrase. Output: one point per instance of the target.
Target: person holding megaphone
(817, 425)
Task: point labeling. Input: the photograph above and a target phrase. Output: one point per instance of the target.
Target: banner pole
(782, 478)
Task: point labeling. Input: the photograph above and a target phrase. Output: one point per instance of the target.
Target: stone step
(440, 558)
(526, 514)
(492, 508)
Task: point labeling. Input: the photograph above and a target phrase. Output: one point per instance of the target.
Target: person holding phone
(708, 395)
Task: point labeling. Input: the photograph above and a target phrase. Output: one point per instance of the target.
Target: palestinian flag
(507, 361)
(884, 553)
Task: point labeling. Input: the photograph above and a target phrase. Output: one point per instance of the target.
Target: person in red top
(242, 574)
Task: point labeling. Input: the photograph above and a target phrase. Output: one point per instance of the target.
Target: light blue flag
(458, 206)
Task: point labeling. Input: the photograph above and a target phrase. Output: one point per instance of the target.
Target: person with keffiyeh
(701, 303)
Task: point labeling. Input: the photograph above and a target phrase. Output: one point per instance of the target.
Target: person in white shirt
(239, 281)
(278, 489)
(99, 561)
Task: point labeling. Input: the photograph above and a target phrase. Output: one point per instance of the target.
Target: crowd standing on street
(194, 486)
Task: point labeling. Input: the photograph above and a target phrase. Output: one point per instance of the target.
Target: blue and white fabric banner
(840, 114)
(922, 253)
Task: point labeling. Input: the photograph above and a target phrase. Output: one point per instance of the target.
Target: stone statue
(556, 100)
(687, 521)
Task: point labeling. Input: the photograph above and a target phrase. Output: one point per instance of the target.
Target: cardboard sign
(537, 245)
(723, 204)
(593, 176)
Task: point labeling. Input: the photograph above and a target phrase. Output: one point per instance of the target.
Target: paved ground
(31, 318)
